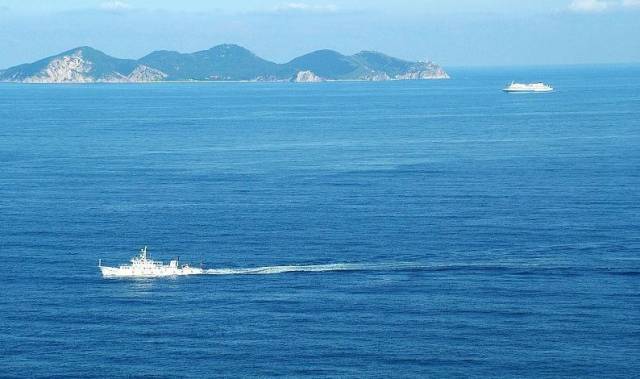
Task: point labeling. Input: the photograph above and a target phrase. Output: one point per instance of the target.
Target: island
(226, 62)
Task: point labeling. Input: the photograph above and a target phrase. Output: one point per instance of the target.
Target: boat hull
(156, 272)
(527, 87)
(527, 90)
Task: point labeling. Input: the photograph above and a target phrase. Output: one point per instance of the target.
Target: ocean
(350, 229)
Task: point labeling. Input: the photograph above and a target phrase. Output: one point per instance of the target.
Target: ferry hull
(526, 90)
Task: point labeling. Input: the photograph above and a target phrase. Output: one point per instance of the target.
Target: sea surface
(444, 228)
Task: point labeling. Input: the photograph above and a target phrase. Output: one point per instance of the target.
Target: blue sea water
(459, 230)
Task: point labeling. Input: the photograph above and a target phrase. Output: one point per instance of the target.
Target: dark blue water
(487, 234)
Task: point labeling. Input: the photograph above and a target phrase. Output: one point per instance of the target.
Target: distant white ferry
(528, 87)
(142, 266)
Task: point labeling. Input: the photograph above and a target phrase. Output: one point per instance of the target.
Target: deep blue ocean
(460, 231)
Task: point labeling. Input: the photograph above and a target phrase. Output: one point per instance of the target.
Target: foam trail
(306, 268)
(395, 266)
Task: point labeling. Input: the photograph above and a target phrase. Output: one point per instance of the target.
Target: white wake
(307, 268)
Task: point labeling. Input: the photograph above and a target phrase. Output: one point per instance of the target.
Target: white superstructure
(528, 87)
(142, 266)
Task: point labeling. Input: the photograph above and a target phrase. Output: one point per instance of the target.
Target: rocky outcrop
(307, 77)
(141, 74)
(423, 71)
(67, 69)
(144, 73)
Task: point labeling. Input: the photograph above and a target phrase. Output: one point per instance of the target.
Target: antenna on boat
(143, 252)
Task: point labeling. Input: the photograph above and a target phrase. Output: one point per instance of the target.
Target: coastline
(227, 81)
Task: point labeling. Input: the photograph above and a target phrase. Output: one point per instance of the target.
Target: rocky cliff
(307, 77)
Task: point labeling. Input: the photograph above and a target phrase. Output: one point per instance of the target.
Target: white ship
(142, 266)
(528, 87)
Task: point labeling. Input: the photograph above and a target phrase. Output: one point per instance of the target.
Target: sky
(449, 32)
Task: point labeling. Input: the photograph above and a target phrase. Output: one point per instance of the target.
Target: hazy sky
(453, 33)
